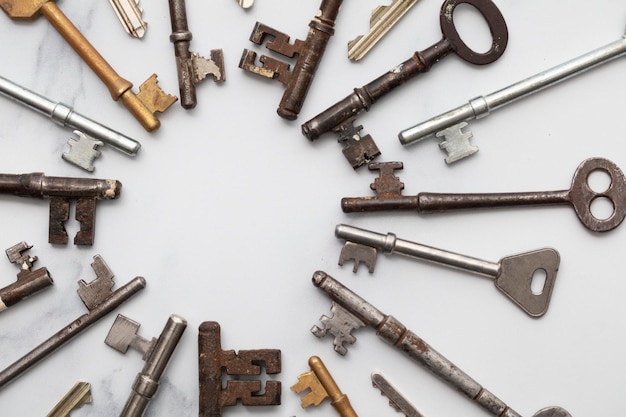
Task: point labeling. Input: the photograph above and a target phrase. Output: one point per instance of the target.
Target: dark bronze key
(60, 191)
(341, 117)
(580, 196)
(309, 52)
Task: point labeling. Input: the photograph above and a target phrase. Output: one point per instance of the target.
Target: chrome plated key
(129, 13)
(397, 335)
(517, 276)
(382, 20)
(580, 196)
(450, 124)
(77, 396)
(396, 400)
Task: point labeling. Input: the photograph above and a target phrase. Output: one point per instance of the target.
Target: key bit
(340, 324)
(397, 401)
(129, 13)
(83, 151)
(156, 353)
(246, 4)
(322, 385)
(77, 396)
(382, 20)
(142, 106)
(192, 68)
(457, 143)
(28, 282)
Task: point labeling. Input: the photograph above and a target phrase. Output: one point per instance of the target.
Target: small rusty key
(580, 196)
(99, 298)
(396, 334)
(156, 353)
(150, 99)
(322, 385)
(309, 52)
(60, 191)
(28, 282)
(341, 117)
(191, 67)
(76, 397)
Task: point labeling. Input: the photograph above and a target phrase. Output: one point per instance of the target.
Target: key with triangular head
(76, 397)
(517, 276)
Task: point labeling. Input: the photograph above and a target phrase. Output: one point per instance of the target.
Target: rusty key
(580, 196)
(150, 99)
(60, 191)
(309, 52)
(341, 117)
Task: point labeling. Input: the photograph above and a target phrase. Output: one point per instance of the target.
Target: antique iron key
(28, 282)
(513, 275)
(60, 191)
(580, 196)
(142, 106)
(309, 52)
(98, 297)
(351, 312)
(156, 353)
(341, 117)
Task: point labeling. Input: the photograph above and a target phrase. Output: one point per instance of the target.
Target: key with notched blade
(513, 275)
(99, 298)
(77, 396)
(396, 400)
(129, 13)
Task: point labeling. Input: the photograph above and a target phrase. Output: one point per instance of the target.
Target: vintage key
(322, 385)
(513, 275)
(60, 191)
(396, 400)
(341, 117)
(129, 13)
(142, 106)
(309, 52)
(396, 334)
(191, 67)
(580, 196)
(450, 125)
(28, 282)
(89, 133)
(382, 20)
(77, 396)
(156, 353)
(99, 299)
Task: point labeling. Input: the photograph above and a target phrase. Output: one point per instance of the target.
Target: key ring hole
(472, 28)
(599, 180)
(538, 281)
(602, 208)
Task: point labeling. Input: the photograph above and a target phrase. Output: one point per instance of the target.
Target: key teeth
(309, 381)
(94, 292)
(83, 151)
(203, 67)
(16, 256)
(457, 143)
(340, 325)
(153, 97)
(359, 254)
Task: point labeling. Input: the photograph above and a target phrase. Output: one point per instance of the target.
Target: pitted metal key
(580, 196)
(513, 275)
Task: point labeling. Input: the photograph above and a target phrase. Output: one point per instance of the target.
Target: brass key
(77, 396)
(150, 99)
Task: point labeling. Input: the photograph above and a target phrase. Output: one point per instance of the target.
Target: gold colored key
(322, 386)
(150, 99)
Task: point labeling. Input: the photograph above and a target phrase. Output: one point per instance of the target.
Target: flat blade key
(76, 397)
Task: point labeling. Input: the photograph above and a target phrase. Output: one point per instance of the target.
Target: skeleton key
(142, 106)
(129, 13)
(513, 275)
(322, 385)
(340, 118)
(60, 191)
(28, 282)
(156, 353)
(77, 396)
(213, 361)
(396, 334)
(309, 52)
(382, 20)
(396, 400)
(580, 196)
(99, 299)
(450, 124)
(191, 67)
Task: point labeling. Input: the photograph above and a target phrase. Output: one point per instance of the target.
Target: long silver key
(396, 334)
(450, 124)
(382, 20)
(129, 13)
(396, 400)
(77, 396)
(517, 276)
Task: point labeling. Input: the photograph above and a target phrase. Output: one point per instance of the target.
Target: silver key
(513, 275)
(83, 151)
(77, 396)
(129, 13)
(246, 4)
(382, 20)
(449, 125)
(156, 353)
(396, 399)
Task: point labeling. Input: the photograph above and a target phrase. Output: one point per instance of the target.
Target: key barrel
(38, 185)
(181, 38)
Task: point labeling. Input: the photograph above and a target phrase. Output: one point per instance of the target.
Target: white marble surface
(228, 210)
